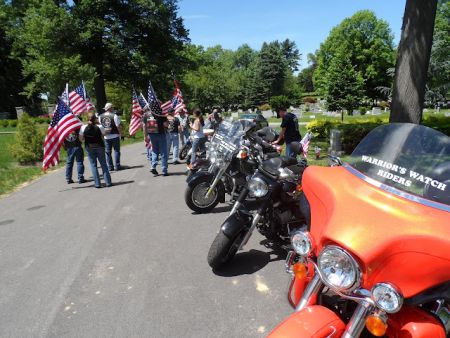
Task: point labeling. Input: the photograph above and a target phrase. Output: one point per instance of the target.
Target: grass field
(13, 175)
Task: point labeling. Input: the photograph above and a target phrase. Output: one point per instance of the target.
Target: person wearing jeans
(95, 148)
(72, 145)
(111, 124)
(197, 133)
(173, 133)
(154, 127)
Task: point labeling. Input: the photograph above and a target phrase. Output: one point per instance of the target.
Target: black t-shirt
(72, 140)
(290, 122)
(174, 124)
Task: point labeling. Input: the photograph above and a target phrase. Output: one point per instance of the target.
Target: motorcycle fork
(216, 180)
(255, 221)
(240, 200)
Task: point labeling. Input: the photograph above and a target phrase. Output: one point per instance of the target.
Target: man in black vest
(111, 123)
(74, 152)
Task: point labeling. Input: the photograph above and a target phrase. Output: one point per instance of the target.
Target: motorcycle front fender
(201, 174)
(234, 224)
(314, 321)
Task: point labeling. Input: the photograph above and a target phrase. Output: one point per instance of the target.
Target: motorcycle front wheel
(223, 249)
(184, 151)
(195, 195)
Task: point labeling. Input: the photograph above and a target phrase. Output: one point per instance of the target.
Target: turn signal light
(299, 270)
(243, 155)
(299, 188)
(376, 325)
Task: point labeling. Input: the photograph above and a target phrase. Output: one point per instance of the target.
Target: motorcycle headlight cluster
(338, 268)
(301, 243)
(387, 297)
(258, 187)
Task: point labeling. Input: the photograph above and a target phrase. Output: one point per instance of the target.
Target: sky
(232, 23)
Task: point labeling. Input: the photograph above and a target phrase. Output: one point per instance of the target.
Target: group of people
(101, 136)
(163, 132)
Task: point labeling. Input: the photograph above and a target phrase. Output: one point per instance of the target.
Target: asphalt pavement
(128, 261)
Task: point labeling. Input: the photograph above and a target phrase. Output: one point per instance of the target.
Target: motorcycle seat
(288, 161)
(272, 165)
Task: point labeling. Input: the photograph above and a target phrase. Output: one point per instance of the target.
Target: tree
(101, 40)
(412, 61)
(343, 84)
(305, 77)
(368, 43)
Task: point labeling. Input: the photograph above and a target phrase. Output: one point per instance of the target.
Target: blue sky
(235, 22)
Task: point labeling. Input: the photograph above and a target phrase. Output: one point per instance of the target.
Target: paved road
(127, 261)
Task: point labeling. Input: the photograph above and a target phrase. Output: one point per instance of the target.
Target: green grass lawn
(13, 175)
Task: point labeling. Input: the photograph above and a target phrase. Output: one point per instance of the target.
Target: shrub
(4, 123)
(353, 133)
(276, 102)
(320, 128)
(42, 120)
(12, 123)
(440, 123)
(264, 106)
(309, 99)
(27, 148)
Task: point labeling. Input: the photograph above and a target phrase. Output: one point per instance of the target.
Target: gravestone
(335, 142)
(376, 111)
(19, 111)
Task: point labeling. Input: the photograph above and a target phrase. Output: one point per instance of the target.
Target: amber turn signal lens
(376, 325)
(299, 270)
(243, 155)
(299, 188)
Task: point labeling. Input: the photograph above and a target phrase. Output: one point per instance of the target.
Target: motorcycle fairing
(313, 321)
(396, 240)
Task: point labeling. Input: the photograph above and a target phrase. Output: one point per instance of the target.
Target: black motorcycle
(276, 185)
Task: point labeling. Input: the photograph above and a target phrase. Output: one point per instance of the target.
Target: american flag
(305, 143)
(178, 102)
(153, 102)
(79, 100)
(166, 106)
(136, 115)
(62, 124)
(142, 101)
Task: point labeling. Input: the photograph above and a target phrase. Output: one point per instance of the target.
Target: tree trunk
(413, 59)
(99, 83)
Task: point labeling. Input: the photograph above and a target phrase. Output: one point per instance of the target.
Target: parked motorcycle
(375, 261)
(276, 186)
(206, 188)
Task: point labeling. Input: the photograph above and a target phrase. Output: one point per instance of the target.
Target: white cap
(108, 106)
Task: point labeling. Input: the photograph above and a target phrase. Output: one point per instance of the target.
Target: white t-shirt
(117, 122)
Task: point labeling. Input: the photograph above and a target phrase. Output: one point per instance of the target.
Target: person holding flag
(111, 123)
(155, 125)
(72, 145)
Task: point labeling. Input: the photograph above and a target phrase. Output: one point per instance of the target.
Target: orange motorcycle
(374, 260)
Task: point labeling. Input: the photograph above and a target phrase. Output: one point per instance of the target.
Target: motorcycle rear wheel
(223, 249)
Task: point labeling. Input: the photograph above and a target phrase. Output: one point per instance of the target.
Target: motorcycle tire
(222, 250)
(196, 188)
(184, 151)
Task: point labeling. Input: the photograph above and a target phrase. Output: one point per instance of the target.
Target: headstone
(51, 108)
(356, 112)
(376, 111)
(19, 111)
(335, 140)
(235, 115)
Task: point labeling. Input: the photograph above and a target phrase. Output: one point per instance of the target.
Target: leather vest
(107, 121)
(151, 123)
(72, 140)
(93, 137)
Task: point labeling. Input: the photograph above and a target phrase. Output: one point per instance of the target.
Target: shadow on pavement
(244, 263)
(126, 167)
(103, 185)
(218, 210)
(177, 173)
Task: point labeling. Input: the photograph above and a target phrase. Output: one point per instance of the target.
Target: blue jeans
(109, 144)
(289, 152)
(175, 141)
(184, 136)
(197, 144)
(75, 153)
(95, 154)
(159, 147)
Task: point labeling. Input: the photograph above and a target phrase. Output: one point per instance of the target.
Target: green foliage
(343, 84)
(277, 102)
(320, 128)
(12, 123)
(441, 123)
(29, 141)
(120, 97)
(4, 123)
(368, 44)
(264, 106)
(353, 133)
(309, 99)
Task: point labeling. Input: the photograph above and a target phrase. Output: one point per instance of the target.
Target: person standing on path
(184, 122)
(197, 133)
(111, 123)
(289, 130)
(174, 138)
(72, 145)
(154, 127)
(92, 135)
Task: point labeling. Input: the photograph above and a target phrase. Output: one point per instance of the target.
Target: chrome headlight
(301, 243)
(387, 297)
(339, 269)
(258, 187)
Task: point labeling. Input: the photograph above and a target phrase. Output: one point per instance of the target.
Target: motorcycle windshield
(406, 159)
(228, 136)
